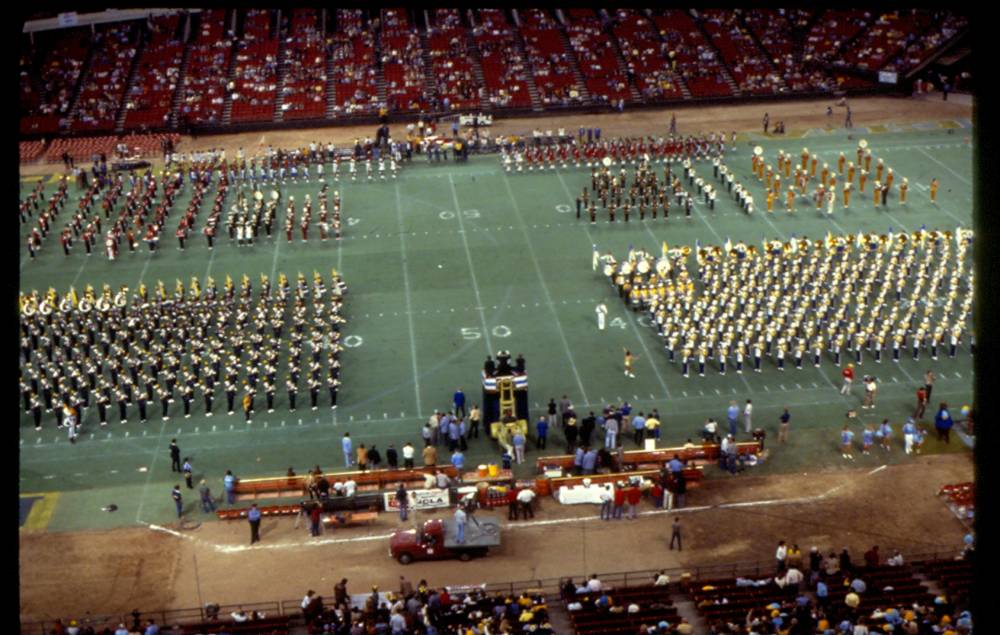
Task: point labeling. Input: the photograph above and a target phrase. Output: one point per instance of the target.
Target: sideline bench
(266, 626)
(349, 519)
(704, 452)
(369, 480)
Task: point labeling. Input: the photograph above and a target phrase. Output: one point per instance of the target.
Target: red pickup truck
(435, 540)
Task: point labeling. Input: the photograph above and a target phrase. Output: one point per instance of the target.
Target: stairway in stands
(620, 59)
(331, 87)
(140, 47)
(74, 101)
(227, 105)
(536, 98)
(477, 63)
(766, 53)
(430, 85)
(577, 75)
(282, 72)
(175, 102)
(674, 75)
(726, 71)
(380, 83)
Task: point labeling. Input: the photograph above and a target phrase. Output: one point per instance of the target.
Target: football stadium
(478, 321)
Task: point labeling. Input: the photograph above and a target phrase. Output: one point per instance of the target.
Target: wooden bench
(349, 519)
(704, 452)
(295, 486)
(266, 510)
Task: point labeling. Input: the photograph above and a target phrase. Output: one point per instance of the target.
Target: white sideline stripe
(409, 304)
(545, 287)
(228, 549)
(472, 272)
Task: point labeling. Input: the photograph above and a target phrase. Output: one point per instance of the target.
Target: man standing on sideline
(347, 446)
(848, 375)
(733, 416)
(254, 517)
(402, 501)
(229, 484)
(460, 525)
(408, 452)
(767, 121)
(392, 457)
(175, 456)
(178, 500)
(675, 534)
(207, 503)
(188, 473)
(541, 432)
(783, 427)
(519, 442)
(747, 414)
(459, 401)
(315, 519)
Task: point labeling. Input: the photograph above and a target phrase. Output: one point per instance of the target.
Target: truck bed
(485, 534)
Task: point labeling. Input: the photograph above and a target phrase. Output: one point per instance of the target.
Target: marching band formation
(884, 294)
(101, 350)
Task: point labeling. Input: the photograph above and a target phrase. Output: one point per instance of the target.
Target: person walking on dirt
(254, 517)
(767, 121)
(675, 534)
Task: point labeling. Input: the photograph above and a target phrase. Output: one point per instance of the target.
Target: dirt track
(797, 115)
(114, 571)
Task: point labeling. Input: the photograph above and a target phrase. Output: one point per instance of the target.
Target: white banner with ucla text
(420, 499)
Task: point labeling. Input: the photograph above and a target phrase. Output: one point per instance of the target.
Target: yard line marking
(957, 375)
(799, 386)
(39, 440)
(472, 271)
(196, 430)
(931, 157)
(126, 434)
(545, 287)
(149, 476)
(385, 415)
(783, 386)
(766, 389)
(894, 380)
(635, 329)
(717, 391)
(651, 396)
(908, 375)
(684, 392)
(815, 385)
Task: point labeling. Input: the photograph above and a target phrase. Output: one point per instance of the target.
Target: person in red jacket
(921, 403)
(619, 501)
(633, 496)
(848, 374)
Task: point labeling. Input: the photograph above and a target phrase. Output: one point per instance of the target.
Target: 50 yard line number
(474, 333)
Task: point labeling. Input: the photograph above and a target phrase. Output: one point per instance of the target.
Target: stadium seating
(644, 57)
(402, 63)
(30, 150)
(954, 576)
(918, 49)
(591, 619)
(884, 39)
(696, 60)
(60, 58)
(355, 74)
(149, 99)
(748, 64)
(774, 31)
(256, 78)
(304, 91)
(456, 83)
(831, 31)
(505, 72)
(596, 56)
(551, 64)
(208, 63)
(104, 84)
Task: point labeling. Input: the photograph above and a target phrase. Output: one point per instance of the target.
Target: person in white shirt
(781, 555)
(593, 584)
(524, 498)
(307, 599)
(408, 455)
(896, 560)
(747, 414)
(239, 615)
(662, 579)
(350, 487)
(602, 314)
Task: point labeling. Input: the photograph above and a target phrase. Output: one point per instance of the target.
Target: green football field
(451, 262)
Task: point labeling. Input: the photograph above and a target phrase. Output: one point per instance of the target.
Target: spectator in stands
(780, 555)
(895, 560)
(594, 585)
(872, 557)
